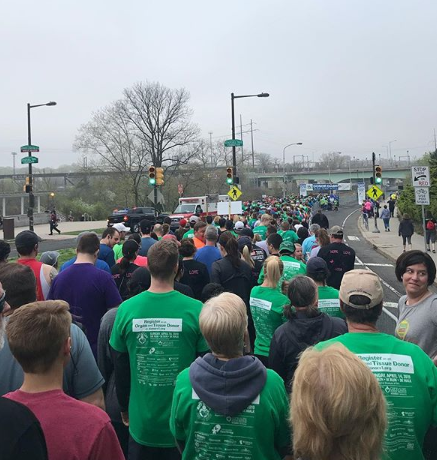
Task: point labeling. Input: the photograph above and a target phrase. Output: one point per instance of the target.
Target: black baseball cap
(27, 239)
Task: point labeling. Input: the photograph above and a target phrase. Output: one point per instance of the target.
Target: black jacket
(320, 219)
(406, 227)
(237, 280)
(297, 334)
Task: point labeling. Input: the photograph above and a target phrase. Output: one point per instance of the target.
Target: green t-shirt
(118, 251)
(292, 267)
(329, 301)
(162, 336)
(253, 434)
(267, 308)
(408, 379)
(289, 236)
(189, 234)
(251, 222)
(260, 230)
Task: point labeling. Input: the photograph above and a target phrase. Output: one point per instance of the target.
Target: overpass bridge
(389, 175)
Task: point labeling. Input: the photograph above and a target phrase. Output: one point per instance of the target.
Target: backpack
(430, 225)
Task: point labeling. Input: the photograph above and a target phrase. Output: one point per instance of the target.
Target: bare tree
(112, 138)
(162, 120)
(150, 125)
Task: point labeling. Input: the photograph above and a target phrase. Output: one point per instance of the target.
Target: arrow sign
(160, 197)
(420, 176)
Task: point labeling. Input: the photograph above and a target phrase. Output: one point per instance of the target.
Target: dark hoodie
(297, 334)
(227, 387)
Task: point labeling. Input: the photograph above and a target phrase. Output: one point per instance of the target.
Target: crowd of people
(250, 337)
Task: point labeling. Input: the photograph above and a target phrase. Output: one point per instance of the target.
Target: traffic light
(152, 175)
(378, 174)
(229, 175)
(27, 188)
(159, 176)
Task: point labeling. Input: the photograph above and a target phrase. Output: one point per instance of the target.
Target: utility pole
(251, 138)
(376, 230)
(14, 154)
(241, 137)
(210, 146)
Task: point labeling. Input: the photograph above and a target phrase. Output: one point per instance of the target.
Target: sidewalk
(43, 230)
(389, 244)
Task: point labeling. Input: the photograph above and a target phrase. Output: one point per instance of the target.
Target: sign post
(421, 184)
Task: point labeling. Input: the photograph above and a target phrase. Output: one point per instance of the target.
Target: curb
(375, 247)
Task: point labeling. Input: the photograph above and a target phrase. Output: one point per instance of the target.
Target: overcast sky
(343, 75)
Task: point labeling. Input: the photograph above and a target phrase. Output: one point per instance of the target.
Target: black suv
(132, 217)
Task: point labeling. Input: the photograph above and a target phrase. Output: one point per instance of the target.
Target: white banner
(223, 208)
(303, 190)
(344, 186)
(361, 192)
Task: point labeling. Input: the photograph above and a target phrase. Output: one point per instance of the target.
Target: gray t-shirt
(418, 324)
(106, 364)
(81, 375)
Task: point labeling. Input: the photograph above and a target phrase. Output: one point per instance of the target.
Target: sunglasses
(2, 302)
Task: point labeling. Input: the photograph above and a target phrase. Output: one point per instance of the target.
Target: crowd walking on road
(249, 336)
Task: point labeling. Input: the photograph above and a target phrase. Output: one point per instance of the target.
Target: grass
(64, 255)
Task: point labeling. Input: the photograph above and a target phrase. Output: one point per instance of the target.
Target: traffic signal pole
(31, 196)
(376, 229)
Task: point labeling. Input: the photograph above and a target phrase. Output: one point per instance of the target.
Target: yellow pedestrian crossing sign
(374, 192)
(234, 193)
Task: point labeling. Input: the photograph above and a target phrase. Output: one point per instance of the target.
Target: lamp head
(263, 95)
(51, 103)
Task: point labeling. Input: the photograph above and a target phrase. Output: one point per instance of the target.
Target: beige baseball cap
(361, 282)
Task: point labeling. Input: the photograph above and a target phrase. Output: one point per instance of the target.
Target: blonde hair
(273, 269)
(223, 322)
(36, 333)
(266, 218)
(337, 407)
(256, 238)
(247, 257)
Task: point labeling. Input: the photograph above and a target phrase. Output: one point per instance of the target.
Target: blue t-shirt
(146, 243)
(99, 264)
(207, 255)
(81, 375)
(308, 244)
(90, 292)
(106, 254)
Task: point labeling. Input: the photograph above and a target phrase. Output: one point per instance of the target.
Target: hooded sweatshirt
(227, 387)
(297, 334)
(230, 409)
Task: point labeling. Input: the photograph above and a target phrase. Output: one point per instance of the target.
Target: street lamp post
(234, 154)
(29, 142)
(14, 154)
(389, 148)
(283, 163)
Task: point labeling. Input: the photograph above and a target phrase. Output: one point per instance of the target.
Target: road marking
(388, 313)
(391, 305)
(374, 265)
(353, 238)
(347, 217)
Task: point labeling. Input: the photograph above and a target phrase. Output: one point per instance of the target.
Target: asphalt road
(368, 258)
